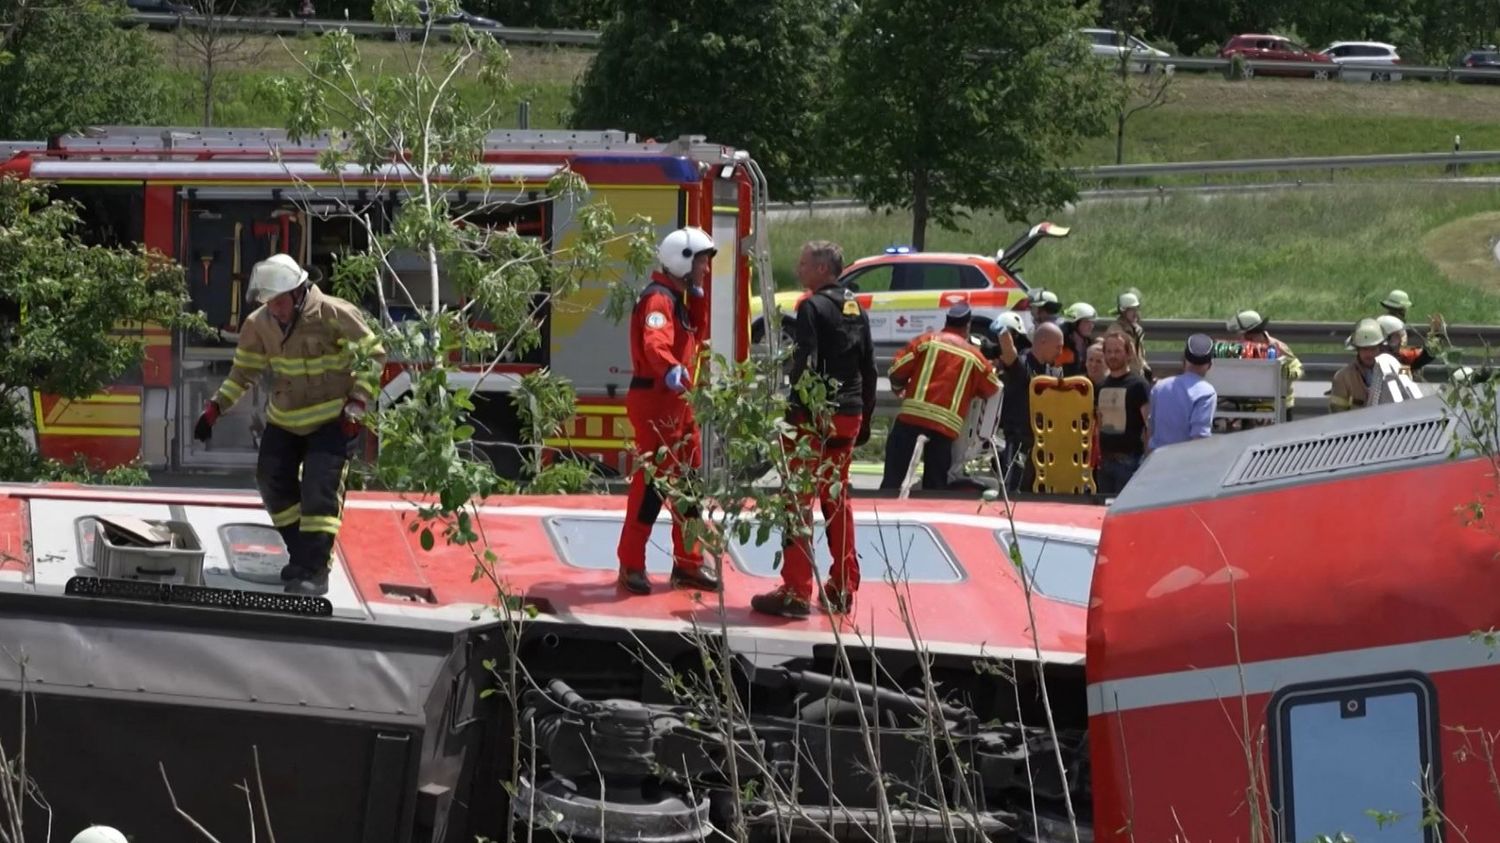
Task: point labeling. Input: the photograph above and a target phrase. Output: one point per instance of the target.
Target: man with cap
(669, 323)
(1128, 309)
(326, 362)
(1182, 406)
(937, 375)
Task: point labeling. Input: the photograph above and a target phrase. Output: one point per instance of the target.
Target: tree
(978, 107)
(213, 46)
(750, 74)
(61, 303)
(68, 64)
(1151, 89)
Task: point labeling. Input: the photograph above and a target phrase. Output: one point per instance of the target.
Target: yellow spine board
(1062, 420)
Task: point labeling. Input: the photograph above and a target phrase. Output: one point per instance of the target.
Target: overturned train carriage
(396, 708)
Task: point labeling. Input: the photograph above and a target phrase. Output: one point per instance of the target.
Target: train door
(221, 236)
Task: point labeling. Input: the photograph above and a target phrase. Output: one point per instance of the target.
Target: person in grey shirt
(1182, 407)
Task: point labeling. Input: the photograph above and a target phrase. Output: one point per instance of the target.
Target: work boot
(635, 582)
(837, 599)
(781, 603)
(291, 572)
(699, 578)
(310, 583)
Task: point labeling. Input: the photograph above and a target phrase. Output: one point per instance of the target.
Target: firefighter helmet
(1126, 301)
(1390, 324)
(1010, 321)
(1247, 321)
(99, 834)
(1397, 300)
(1367, 334)
(678, 249)
(275, 275)
(1046, 300)
(1079, 311)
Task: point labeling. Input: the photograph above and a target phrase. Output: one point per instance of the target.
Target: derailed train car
(1292, 636)
(398, 708)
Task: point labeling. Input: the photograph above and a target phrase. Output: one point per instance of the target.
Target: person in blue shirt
(1182, 407)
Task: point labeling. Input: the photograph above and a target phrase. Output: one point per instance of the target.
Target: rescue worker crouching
(667, 327)
(937, 375)
(308, 340)
(832, 342)
(1352, 384)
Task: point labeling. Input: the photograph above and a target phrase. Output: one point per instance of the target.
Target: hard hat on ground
(1010, 321)
(273, 276)
(678, 249)
(1081, 310)
(99, 834)
(1390, 324)
(1367, 334)
(1126, 301)
(1396, 299)
(1247, 321)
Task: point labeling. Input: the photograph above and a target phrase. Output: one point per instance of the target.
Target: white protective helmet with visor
(1367, 334)
(678, 249)
(273, 276)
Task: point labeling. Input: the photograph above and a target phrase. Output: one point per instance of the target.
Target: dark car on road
(1485, 58)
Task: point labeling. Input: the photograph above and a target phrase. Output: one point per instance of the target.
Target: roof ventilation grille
(1338, 451)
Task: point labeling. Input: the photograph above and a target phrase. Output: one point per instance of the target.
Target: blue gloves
(695, 291)
(677, 378)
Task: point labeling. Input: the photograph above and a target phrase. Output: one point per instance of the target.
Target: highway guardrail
(297, 26)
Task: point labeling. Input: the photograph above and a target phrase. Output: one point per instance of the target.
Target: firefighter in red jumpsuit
(668, 324)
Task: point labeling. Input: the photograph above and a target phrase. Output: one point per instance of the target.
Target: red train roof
(947, 564)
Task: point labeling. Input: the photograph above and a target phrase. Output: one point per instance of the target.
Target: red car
(1264, 48)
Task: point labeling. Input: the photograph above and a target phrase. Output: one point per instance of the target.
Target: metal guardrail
(1293, 333)
(296, 26)
(1109, 172)
(1318, 70)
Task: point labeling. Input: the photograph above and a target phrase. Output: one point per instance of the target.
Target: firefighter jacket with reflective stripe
(938, 374)
(1351, 388)
(666, 329)
(833, 341)
(311, 362)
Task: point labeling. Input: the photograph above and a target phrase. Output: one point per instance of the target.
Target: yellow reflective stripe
(603, 444)
(311, 365)
(321, 524)
(922, 300)
(958, 388)
(932, 412)
(305, 416)
(928, 362)
(249, 360)
(231, 391)
(287, 517)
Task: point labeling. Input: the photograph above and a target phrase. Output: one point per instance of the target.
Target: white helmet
(1366, 334)
(1390, 324)
(1079, 311)
(1010, 321)
(1246, 321)
(275, 275)
(678, 249)
(1126, 301)
(99, 834)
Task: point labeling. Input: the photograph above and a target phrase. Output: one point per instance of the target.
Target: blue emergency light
(898, 250)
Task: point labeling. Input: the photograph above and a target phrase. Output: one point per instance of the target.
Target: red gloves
(354, 413)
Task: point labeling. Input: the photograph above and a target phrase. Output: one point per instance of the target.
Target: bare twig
(178, 808)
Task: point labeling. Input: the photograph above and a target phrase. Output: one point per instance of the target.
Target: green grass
(1319, 254)
(543, 76)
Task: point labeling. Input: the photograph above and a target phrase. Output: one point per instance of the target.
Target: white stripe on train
(1266, 677)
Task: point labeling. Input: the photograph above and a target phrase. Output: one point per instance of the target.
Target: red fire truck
(218, 200)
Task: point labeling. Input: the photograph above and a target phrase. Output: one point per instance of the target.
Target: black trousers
(1020, 468)
(301, 481)
(901, 443)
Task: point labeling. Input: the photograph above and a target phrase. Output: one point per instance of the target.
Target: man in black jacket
(832, 400)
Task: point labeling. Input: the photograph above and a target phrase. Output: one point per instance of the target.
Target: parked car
(166, 7)
(1276, 48)
(1484, 58)
(1111, 44)
(908, 293)
(458, 16)
(1365, 53)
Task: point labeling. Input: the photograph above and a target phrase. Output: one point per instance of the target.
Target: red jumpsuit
(666, 330)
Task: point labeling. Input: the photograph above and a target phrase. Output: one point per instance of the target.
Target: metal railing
(297, 26)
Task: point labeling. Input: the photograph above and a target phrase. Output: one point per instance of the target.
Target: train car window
(1356, 758)
(899, 551)
(1062, 569)
(585, 541)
